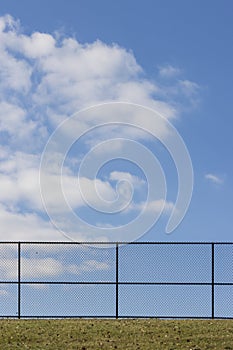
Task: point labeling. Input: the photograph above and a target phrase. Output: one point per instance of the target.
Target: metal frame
(117, 283)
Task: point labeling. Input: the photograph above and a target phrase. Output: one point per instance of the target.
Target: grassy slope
(116, 334)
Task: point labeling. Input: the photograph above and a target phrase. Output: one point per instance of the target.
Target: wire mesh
(223, 263)
(62, 300)
(164, 263)
(224, 301)
(168, 301)
(167, 280)
(8, 262)
(8, 273)
(8, 300)
(67, 263)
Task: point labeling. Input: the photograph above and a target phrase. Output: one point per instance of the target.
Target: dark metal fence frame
(117, 283)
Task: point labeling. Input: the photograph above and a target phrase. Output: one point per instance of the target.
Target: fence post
(212, 249)
(117, 277)
(19, 280)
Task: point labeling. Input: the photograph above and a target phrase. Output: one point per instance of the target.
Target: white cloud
(88, 266)
(7, 22)
(40, 267)
(62, 77)
(37, 45)
(214, 178)
(153, 207)
(19, 179)
(43, 80)
(80, 75)
(12, 118)
(78, 192)
(15, 73)
(189, 88)
(46, 267)
(19, 184)
(26, 226)
(169, 71)
(124, 176)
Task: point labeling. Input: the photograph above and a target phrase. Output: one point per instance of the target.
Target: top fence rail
(119, 242)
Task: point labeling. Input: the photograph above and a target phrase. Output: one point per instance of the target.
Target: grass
(116, 334)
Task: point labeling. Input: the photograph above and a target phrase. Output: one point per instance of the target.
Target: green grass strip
(134, 334)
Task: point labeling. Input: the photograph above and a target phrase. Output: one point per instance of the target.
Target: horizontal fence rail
(116, 280)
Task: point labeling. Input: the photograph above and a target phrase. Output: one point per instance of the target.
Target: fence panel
(139, 279)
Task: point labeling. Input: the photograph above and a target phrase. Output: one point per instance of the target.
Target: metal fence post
(19, 280)
(212, 283)
(117, 277)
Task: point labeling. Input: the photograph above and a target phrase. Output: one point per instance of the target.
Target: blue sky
(175, 57)
(59, 57)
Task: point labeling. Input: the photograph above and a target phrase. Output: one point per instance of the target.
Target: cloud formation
(44, 79)
(214, 178)
(46, 267)
(169, 71)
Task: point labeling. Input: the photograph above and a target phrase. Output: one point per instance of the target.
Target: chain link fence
(114, 280)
